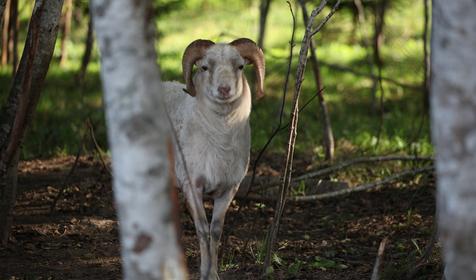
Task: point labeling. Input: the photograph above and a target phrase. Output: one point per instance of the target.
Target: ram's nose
(224, 91)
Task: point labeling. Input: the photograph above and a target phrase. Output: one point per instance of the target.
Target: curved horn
(250, 51)
(193, 52)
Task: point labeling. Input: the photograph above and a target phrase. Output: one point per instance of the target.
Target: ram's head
(220, 68)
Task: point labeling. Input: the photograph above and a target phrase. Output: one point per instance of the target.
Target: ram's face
(219, 74)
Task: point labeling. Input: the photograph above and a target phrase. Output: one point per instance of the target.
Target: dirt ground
(333, 238)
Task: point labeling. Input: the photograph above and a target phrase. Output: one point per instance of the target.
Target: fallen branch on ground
(360, 160)
(378, 260)
(364, 187)
(266, 182)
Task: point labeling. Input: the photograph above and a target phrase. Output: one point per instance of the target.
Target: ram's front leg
(220, 207)
(202, 229)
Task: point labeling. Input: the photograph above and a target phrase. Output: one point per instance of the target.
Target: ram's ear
(195, 51)
(253, 54)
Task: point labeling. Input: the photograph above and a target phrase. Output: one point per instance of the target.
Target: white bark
(453, 104)
(138, 135)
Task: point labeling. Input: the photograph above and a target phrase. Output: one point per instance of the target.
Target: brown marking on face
(142, 242)
(211, 70)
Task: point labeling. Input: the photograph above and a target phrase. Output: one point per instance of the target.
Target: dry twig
(68, 176)
(359, 188)
(360, 160)
(379, 259)
(98, 149)
(270, 182)
(365, 187)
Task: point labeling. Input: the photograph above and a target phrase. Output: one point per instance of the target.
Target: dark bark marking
(142, 242)
(100, 9)
(106, 50)
(444, 43)
(136, 3)
(137, 127)
(156, 170)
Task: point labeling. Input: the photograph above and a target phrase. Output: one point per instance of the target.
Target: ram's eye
(240, 67)
(204, 68)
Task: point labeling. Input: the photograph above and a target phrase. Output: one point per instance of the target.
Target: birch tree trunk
(453, 104)
(139, 139)
(24, 94)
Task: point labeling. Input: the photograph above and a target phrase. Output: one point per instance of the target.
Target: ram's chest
(217, 162)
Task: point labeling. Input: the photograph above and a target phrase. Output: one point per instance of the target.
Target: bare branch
(327, 18)
(365, 187)
(286, 179)
(342, 68)
(360, 160)
(327, 134)
(379, 259)
(283, 102)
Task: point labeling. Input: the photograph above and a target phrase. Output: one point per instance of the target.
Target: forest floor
(335, 238)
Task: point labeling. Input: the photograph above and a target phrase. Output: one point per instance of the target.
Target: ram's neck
(226, 116)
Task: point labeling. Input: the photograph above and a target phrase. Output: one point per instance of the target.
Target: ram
(211, 123)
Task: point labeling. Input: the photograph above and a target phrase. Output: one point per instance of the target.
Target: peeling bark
(453, 116)
(139, 138)
(24, 95)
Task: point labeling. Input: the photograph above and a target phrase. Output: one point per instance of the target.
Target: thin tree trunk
(327, 134)
(88, 47)
(426, 57)
(139, 138)
(2, 9)
(263, 16)
(66, 30)
(25, 92)
(380, 9)
(13, 36)
(6, 21)
(453, 116)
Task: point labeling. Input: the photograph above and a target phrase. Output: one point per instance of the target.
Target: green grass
(64, 107)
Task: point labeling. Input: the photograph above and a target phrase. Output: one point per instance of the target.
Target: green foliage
(295, 267)
(62, 110)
